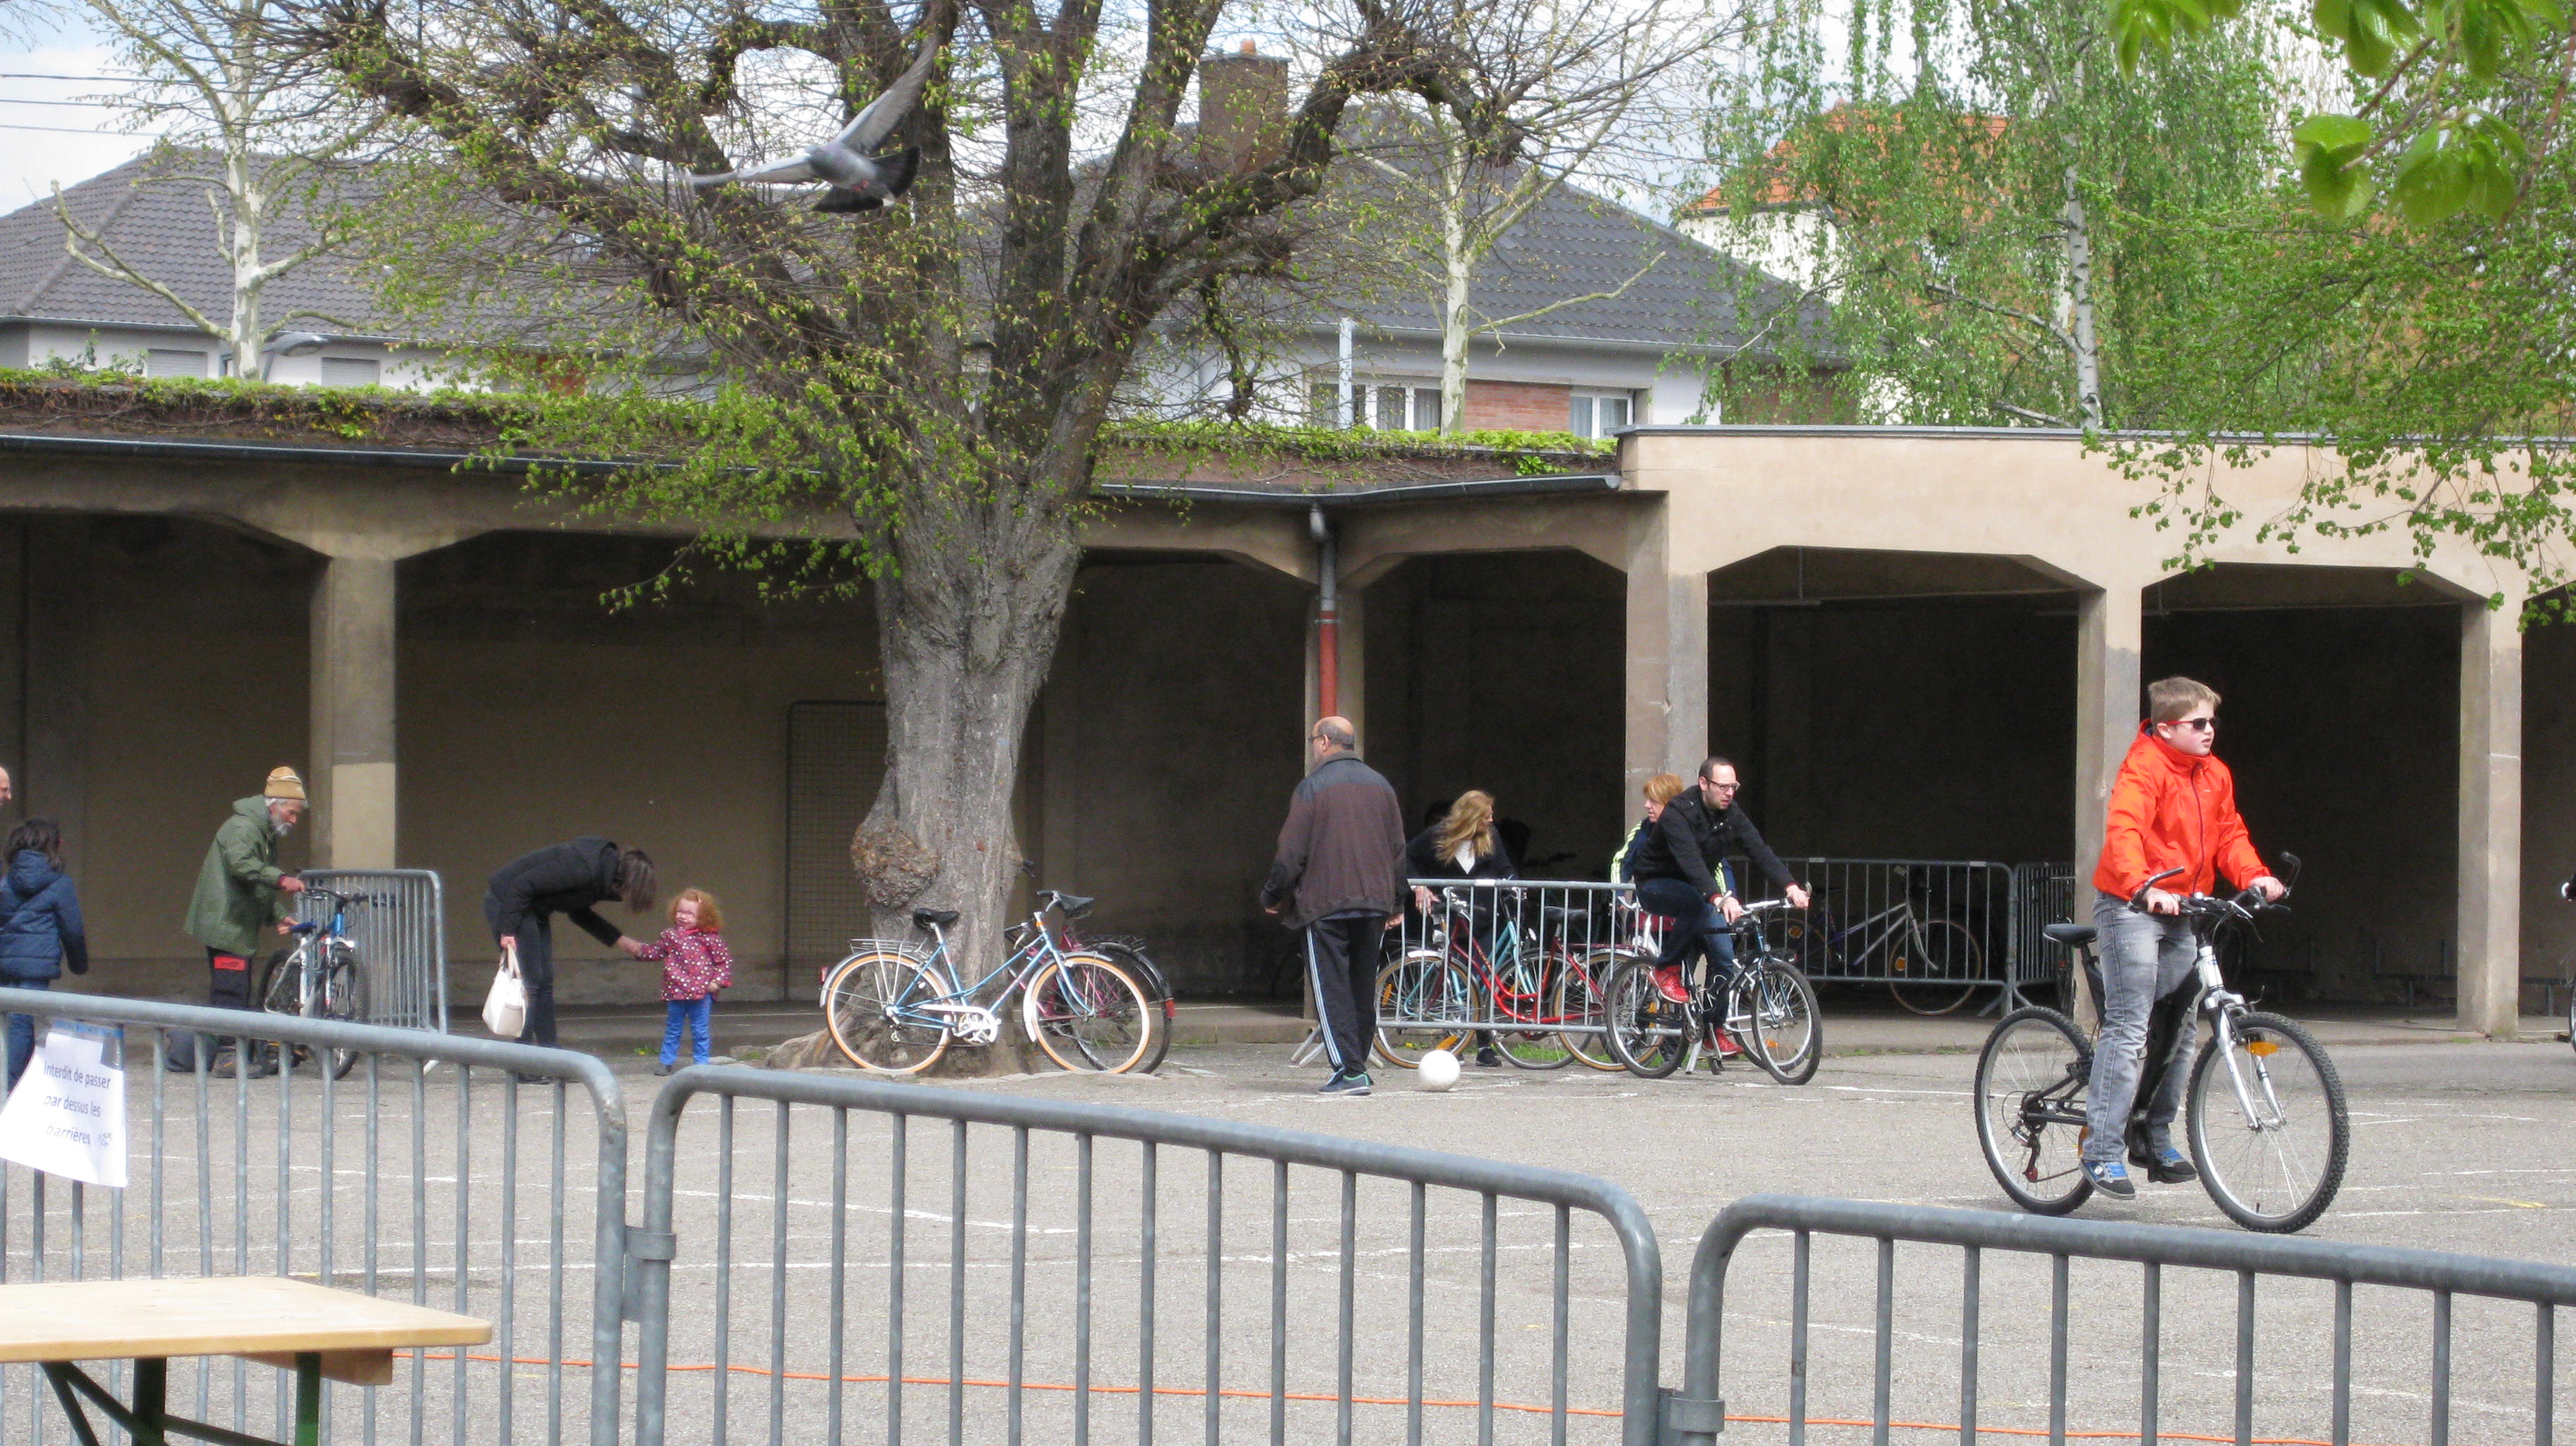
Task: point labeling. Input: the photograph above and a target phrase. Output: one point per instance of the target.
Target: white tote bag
(505, 1009)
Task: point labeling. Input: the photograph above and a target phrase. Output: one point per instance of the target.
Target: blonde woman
(1463, 845)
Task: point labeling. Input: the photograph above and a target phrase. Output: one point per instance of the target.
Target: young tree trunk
(2079, 288)
(249, 210)
(967, 624)
(1458, 271)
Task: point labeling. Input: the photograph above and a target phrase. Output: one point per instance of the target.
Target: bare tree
(936, 372)
(1586, 89)
(258, 128)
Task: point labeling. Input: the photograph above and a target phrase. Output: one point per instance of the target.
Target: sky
(48, 134)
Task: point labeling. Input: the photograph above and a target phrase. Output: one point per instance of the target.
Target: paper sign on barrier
(67, 1115)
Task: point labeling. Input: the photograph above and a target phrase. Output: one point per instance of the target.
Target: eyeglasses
(1722, 787)
(2197, 725)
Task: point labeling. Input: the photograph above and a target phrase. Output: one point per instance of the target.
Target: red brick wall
(1517, 406)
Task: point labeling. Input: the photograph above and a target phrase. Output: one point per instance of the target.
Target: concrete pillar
(2490, 984)
(53, 776)
(1667, 669)
(352, 778)
(2109, 634)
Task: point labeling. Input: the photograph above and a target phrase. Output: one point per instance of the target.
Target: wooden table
(316, 1332)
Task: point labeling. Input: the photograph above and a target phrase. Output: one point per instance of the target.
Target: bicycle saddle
(2071, 935)
(1073, 908)
(924, 918)
(1565, 912)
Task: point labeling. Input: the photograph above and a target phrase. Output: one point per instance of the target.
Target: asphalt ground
(2458, 1146)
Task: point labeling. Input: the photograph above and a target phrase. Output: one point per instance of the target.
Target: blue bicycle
(321, 976)
(893, 1009)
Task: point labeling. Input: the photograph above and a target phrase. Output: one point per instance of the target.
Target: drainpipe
(1328, 617)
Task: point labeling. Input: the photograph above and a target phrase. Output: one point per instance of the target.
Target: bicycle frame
(958, 1007)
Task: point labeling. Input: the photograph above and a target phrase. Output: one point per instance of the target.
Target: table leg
(308, 1398)
(151, 1402)
(62, 1374)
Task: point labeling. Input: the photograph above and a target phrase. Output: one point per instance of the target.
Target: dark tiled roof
(165, 229)
(1574, 243)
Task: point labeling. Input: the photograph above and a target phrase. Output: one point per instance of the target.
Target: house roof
(1774, 177)
(152, 215)
(1691, 298)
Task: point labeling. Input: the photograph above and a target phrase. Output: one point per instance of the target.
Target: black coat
(1693, 839)
(1423, 858)
(567, 878)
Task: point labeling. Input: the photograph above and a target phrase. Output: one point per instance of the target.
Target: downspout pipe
(1328, 614)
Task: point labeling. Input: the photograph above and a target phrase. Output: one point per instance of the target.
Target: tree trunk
(1459, 268)
(2079, 288)
(968, 622)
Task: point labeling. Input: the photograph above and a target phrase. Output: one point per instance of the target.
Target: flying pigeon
(858, 181)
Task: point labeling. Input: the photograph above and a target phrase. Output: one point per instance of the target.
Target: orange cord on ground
(1243, 1395)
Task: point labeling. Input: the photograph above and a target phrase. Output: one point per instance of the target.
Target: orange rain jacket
(2168, 810)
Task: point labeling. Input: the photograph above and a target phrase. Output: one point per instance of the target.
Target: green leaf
(2344, 133)
(2432, 181)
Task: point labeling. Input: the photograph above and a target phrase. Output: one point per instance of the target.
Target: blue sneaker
(2111, 1178)
(1353, 1084)
(2167, 1166)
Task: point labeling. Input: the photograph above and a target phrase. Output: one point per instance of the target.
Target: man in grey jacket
(1340, 876)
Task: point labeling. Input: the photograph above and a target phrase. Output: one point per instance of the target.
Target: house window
(351, 371)
(1388, 406)
(1600, 414)
(160, 363)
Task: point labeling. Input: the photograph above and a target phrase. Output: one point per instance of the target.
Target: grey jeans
(2144, 958)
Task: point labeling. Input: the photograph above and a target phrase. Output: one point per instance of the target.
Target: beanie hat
(282, 783)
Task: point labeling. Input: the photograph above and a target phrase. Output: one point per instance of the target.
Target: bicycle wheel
(1938, 972)
(1089, 1015)
(1771, 1011)
(281, 983)
(1526, 995)
(344, 998)
(2031, 1077)
(1129, 955)
(1649, 1033)
(2278, 1169)
(874, 1006)
(1422, 1004)
(1579, 1002)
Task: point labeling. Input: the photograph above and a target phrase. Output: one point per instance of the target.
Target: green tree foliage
(916, 393)
(1987, 200)
(2425, 129)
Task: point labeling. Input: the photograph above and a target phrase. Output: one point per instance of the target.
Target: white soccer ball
(1439, 1070)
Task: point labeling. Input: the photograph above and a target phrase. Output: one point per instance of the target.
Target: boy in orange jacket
(2173, 806)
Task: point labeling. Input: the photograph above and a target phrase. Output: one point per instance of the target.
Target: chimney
(1243, 109)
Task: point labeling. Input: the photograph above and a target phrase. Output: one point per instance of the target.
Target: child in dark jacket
(40, 927)
(695, 964)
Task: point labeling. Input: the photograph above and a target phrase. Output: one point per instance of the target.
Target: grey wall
(1504, 671)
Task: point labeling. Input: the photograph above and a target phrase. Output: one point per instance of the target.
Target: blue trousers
(697, 1014)
(22, 1032)
(1697, 925)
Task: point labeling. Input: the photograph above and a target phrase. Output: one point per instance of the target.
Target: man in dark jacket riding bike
(1681, 873)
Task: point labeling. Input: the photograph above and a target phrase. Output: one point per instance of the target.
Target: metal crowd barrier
(1524, 954)
(401, 937)
(429, 1172)
(1000, 1303)
(2183, 1353)
(2043, 894)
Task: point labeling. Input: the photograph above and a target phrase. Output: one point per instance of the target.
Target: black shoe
(2167, 1166)
(663, 1069)
(1488, 1058)
(1353, 1085)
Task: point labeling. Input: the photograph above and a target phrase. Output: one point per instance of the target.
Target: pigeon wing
(776, 173)
(868, 129)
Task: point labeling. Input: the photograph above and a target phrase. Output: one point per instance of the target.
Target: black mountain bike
(1764, 1005)
(2267, 1123)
